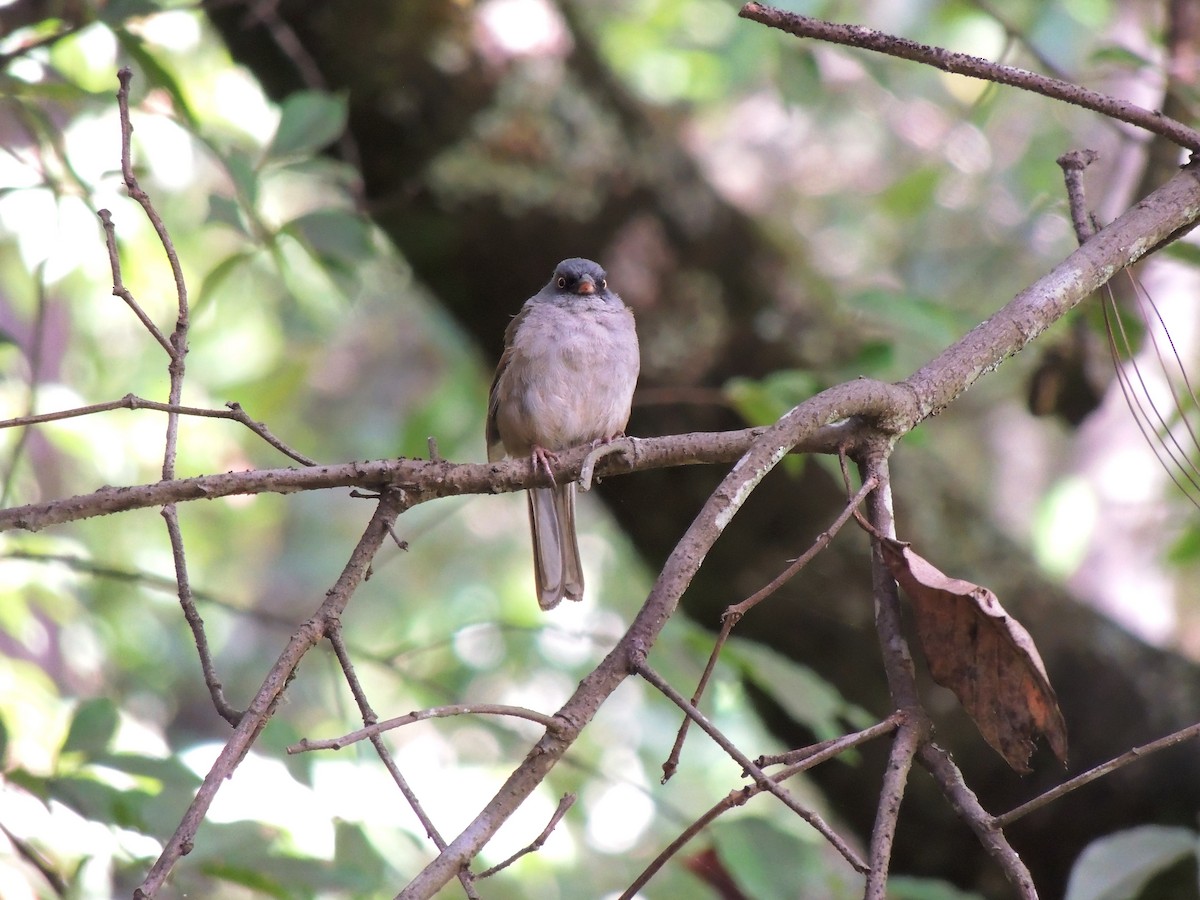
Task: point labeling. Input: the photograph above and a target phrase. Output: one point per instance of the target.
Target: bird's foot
(543, 460)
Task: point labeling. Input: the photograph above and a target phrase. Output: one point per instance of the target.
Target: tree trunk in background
(715, 297)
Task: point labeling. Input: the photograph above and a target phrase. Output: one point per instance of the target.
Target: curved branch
(974, 67)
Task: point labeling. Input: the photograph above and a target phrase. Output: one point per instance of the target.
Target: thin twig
(195, 622)
(734, 614)
(437, 712)
(899, 670)
(176, 351)
(334, 633)
(1073, 164)
(119, 289)
(33, 856)
(564, 804)
(1117, 762)
(887, 814)
(974, 67)
(802, 760)
(233, 412)
(760, 777)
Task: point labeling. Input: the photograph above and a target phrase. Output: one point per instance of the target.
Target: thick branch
(426, 479)
(810, 427)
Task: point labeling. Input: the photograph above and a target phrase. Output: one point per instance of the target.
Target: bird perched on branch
(566, 378)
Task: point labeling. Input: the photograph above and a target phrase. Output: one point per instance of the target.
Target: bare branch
(437, 712)
(1073, 164)
(759, 776)
(426, 480)
(369, 718)
(188, 603)
(176, 350)
(967, 805)
(119, 289)
(262, 707)
(1117, 762)
(974, 67)
(734, 614)
(898, 668)
(233, 412)
(564, 804)
(803, 759)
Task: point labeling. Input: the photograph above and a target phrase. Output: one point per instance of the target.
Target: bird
(566, 378)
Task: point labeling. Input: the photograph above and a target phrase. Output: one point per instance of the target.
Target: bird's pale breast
(571, 375)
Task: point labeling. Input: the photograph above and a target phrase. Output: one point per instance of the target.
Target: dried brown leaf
(983, 655)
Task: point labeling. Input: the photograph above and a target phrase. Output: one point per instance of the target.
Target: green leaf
(913, 194)
(335, 237)
(168, 770)
(1117, 866)
(908, 887)
(247, 877)
(309, 121)
(100, 802)
(766, 862)
(245, 179)
(1121, 56)
(1184, 252)
(117, 12)
(225, 211)
(215, 278)
(92, 728)
(1186, 548)
(802, 694)
(921, 317)
(368, 867)
(155, 73)
(761, 402)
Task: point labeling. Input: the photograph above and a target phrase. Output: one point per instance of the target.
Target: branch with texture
(816, 425)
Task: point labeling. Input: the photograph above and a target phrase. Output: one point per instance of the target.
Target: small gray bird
(566, 378)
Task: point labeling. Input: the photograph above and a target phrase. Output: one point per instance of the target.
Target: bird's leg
(601, 447)
(601, 441)
(544, 459)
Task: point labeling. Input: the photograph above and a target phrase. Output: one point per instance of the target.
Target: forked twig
(233, 411)
(734, 614)
(564, 804)
(262, 707)
(334, 634)
(939, 764)
(801, 760)
(760, 777)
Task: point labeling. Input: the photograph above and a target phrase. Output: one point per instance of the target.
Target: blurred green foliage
(304, 314)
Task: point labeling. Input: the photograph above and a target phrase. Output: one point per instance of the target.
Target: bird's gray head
(578, 277)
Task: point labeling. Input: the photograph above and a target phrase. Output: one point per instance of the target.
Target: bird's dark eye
(562, 282)
(603, 284)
